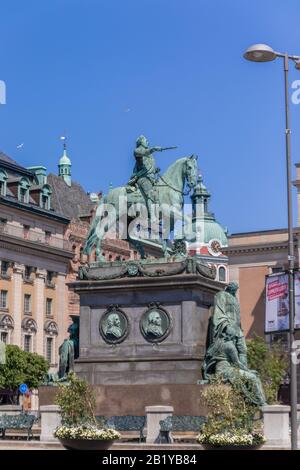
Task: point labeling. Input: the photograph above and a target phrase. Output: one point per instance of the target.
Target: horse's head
(191, 171)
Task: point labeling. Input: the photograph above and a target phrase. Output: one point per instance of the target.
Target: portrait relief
(155, 324)
(114, 326)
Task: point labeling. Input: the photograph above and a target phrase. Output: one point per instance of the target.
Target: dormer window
(3, 179)
(45, 200)
(23, 190)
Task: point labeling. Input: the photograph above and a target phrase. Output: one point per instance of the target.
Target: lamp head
(260, 53)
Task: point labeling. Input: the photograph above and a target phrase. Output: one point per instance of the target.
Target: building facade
(251, 257)
(34, 256)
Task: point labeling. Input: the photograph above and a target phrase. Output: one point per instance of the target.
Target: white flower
(86, 431)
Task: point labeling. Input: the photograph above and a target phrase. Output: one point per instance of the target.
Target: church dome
(212, 230)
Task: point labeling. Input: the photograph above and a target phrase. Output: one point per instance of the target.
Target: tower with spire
(64, 165)
(209, 236)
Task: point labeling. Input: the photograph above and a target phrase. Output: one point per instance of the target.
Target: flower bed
(86, 431)
(228, 438)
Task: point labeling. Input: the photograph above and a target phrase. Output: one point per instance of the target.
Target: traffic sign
(23, 388)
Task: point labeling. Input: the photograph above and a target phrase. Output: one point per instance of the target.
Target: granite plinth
(176, 359)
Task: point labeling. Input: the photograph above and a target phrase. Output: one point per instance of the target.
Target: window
(49, 276)
(28, 271)
(277, 269)
(27, 343)
(47, 237)
(3, 178)
(26, 230)
(4, 267)
(222, 274)
(44, 202)
(49, 347)
(3, 223)
(23, 195)
(27, 303)
(23, 190)
(3, 299)
(4, 337)
(48, 307)
(45, 197)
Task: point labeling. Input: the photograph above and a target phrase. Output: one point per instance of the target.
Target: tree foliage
(270, 363)
(77, 401)
(22, 367)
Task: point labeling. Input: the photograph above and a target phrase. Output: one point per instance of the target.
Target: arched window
(222, 274)
(3, 178)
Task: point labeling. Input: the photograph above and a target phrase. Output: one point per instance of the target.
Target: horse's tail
(92, 237)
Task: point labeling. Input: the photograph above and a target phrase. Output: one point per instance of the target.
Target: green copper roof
(200, 188)
(212, 230)
(65, 159)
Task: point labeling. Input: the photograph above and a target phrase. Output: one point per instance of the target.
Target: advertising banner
(297, 299)
(277, 303)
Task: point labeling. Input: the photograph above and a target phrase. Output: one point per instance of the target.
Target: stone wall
(121, 400)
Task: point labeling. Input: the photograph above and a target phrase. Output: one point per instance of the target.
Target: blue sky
(106, 71)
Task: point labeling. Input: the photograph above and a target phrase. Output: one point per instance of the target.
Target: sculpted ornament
(155, 324)
(114, 325)
(226, 354)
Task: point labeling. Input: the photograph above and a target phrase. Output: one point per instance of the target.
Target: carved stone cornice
(21, 245)
(257, 248)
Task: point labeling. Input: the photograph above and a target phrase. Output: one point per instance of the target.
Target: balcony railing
(36, 237)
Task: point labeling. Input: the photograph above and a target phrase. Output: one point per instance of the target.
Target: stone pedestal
(276, 425)
(133, 354)
(154, 415)
(50, 420)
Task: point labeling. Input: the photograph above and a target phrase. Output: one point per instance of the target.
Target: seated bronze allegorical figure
(226, 354)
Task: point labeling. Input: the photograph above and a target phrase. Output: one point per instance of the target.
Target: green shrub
(77, 401)
(22, 367)
(230, 418)
(270, 363)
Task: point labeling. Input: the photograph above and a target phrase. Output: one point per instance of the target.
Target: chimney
(40, 173)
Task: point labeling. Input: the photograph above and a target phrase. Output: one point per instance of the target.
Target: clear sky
(105, 71)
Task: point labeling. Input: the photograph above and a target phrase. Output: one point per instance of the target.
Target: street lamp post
(264, 53)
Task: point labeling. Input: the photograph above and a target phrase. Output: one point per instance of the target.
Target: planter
(86, 444)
